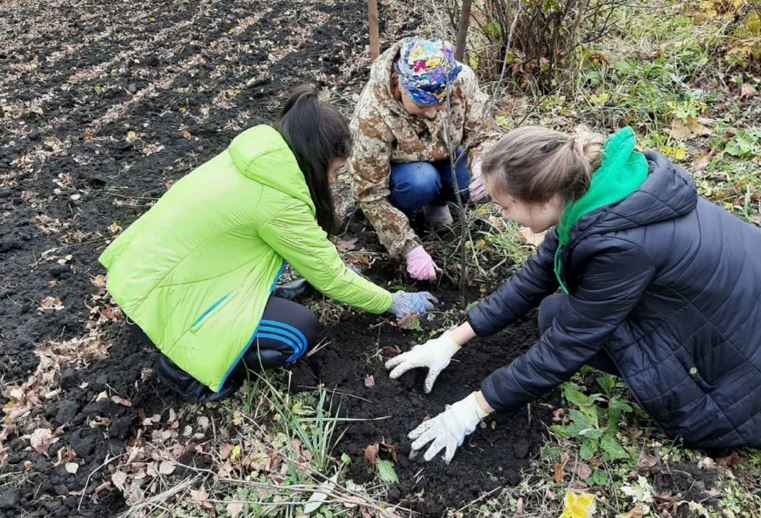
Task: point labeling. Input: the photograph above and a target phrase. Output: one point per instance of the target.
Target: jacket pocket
(203, 317)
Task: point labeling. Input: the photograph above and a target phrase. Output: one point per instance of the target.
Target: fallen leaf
(392, 449)
(119, 478)
(733, 458)
(582, 471)
(65, 259)
(409, 322)
(318, 497)
(51, 304)
(697, 129)
(578, 506)
(559, 474)
(121, 401)
(646, 462)
(201, 497)
(386, 472)
(225, 450)
(203, 422)
(112, 314)
(702, 161)
(345, 246)
(235, 453)
(72, 467)
(678, 130)
(99, 281)
(41, 439)
(369, 381)
(234, 509)
(706, 463)
(167, 467)
(747, 90)
(640, 510)
(356, 258)
(371, 453)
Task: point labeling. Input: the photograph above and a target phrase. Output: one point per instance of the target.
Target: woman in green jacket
(198, 272)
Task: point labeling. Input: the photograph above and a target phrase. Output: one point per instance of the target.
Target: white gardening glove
(434, 355)
(477, 188)
(448, 429)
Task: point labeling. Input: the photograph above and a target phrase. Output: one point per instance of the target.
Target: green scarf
(623, 171)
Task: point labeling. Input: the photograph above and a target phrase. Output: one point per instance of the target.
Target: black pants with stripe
(285, 333)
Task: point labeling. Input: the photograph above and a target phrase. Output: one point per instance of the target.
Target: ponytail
(533, 163)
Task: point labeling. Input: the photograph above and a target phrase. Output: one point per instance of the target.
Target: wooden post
(372, 7)
(462, 30)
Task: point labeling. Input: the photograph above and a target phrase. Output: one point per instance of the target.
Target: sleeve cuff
(476, 322)
(490, 394)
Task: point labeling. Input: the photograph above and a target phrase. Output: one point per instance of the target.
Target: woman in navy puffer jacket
(658, 285)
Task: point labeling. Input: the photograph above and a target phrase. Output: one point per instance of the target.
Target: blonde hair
(533, 163)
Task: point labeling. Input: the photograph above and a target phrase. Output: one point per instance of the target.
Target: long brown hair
(533, 163)
(317, 135)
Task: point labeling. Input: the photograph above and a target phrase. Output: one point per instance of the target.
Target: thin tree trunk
(462, 30)
(372, 8)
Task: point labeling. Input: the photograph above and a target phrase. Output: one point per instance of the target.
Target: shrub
(544, 40)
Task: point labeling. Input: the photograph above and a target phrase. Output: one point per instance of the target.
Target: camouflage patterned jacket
(384, 132)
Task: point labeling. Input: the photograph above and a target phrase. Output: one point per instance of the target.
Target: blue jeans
(414, 185)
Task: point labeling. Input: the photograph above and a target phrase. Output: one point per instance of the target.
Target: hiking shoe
(438, 216)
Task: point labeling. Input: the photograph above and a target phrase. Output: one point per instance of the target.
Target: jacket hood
(381, 69)
(261, 154)
(667, 193)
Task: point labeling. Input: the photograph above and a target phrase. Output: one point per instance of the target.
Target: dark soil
(77, 78)
(492, 457)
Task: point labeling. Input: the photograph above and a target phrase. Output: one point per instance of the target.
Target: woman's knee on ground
(414, 185)
(548, 310)
(285, 333)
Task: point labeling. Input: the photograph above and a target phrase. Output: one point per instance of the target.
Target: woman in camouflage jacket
(401, 127)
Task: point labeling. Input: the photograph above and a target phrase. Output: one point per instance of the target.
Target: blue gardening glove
(404, 304)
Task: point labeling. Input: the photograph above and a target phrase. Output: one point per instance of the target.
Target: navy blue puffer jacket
(670, 285)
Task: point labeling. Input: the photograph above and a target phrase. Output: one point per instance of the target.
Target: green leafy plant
(745, 144)
(594, 426)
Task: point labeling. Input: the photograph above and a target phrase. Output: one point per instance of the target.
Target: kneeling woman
(659, 286)
(197, 272)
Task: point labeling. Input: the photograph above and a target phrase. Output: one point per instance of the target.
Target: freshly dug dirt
(352, 363)
(104, 105)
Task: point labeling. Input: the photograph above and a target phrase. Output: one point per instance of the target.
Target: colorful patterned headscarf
(425, 69)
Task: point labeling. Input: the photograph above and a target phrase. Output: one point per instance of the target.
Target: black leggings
(549, 308)
(285, 333)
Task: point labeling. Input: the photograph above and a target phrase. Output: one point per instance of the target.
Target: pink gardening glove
(477, 187)
(420, 265)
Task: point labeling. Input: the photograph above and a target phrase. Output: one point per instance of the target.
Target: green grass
(666, 75)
